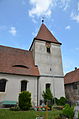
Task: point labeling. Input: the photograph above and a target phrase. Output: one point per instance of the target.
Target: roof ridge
(72, 71)
(14, 48)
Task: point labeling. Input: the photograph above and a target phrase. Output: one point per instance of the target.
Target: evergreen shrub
(47, 95)
(25, 100)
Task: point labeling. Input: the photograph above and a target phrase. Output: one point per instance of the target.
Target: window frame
(24, 85)
(48, 47)
(3, 85)
(49, 85)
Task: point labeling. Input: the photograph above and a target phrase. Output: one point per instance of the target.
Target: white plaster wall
(57, 87)
(13, 87)
(45, 60)
(49, 64)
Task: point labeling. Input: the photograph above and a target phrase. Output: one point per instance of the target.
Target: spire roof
(45, 35)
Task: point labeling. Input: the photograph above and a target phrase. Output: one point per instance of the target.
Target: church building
(34, 70)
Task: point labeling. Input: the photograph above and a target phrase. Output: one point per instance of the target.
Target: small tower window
(23, 86)
(47, 86)
(48, 45)
(48, 50)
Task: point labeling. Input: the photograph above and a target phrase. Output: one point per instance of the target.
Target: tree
(47, 95)
(25, 100)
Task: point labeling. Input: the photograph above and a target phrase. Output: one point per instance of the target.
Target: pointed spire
(45, 35)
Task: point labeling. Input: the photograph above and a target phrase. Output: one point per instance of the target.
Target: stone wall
(72, 91)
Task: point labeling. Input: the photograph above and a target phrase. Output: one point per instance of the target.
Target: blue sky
(20, 20)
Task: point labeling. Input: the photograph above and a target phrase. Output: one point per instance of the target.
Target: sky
(20, 21)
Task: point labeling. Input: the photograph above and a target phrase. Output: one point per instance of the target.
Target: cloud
(64, 4)
(12, 31)
(41, 7)
(75, 17)
(34, 21)
(68, 27)
(45, 7)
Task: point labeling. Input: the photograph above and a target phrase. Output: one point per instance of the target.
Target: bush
(62, 101)
(68, 111)
(47, 95)
(25, 100)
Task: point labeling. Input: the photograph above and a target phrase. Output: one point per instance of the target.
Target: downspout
(37, 91)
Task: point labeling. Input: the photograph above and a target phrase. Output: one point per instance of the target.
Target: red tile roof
(17, 61)
(71, 77)
(45, 35)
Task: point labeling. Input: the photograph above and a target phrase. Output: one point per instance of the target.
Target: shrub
(62, 101)
(68, 111)
(25, 100)
(47, 95)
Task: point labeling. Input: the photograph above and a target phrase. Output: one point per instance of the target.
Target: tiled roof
(45, 35)
(17, 61)
(71, 77)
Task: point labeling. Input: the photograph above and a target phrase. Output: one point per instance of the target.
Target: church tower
(47, 56)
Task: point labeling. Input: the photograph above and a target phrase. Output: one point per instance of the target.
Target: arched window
(2, 85)
(23, 85)
(48, 85)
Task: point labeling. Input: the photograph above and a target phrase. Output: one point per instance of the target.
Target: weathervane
(43, 19)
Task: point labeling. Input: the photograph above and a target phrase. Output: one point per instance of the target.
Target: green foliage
(62, 101)
(47, 95)
(25, 100)
(68, 111)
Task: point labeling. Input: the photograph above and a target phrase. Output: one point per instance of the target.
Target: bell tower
(47, 56)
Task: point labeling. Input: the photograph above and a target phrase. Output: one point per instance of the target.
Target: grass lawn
(7, 114)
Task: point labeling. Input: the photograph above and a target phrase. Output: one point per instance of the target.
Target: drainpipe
(37, 91)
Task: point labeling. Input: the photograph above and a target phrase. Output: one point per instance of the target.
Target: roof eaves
(19, 74)
(48, 41)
